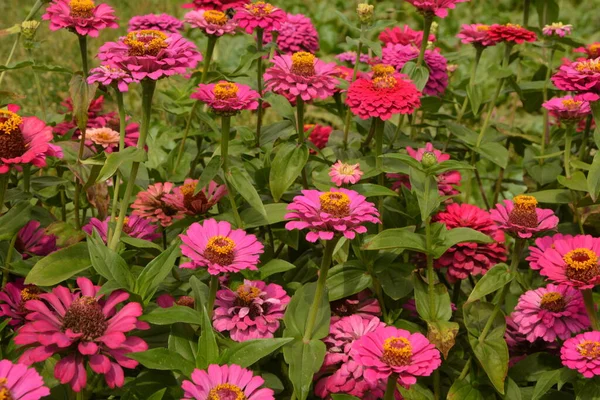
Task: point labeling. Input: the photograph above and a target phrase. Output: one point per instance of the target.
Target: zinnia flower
(579, 76)
(572, 261)
(82, 17)
(17, 382)
(160, 22)
(319, 134)
(219, 248)
(183, 197)
(225, 382)
(469, 258)
(571, 108)
(397, 55)
(363, 304)
(151, 54)
(134, 226)
(582, 353)
(227, 98)
(342, 173)
(109, 76)
(167, 301)
(541, 245)
(104, 137)
(350, 57)
(296, 33)
(556, 311)
(151, 204)
(211, 22)
(259, 15)
(13, 298)
(591, 50)
(220, 5)
(404, 35)
(511, 33)
(33, 240)
(475, 34)
(520, 217)
(435, 7)
(252, 311)
(519, 347)
(557, 29)
(390, 350)
(301, 74)
(384, 95)
(340, 211)
(82, 326)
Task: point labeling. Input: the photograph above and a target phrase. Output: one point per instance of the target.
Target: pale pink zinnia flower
(582, 353)
(301, 74)
(184, 199)
(219, 248)
(134, 226)
(18, 382)
(520, 217)
(541, 245)
(82, 326)
(475, 34)
(252, 311)
(225, 382)
(363, 304)
(404, 35)
(104, 137)
(259, 15)
(579, 76)
(390, 350)
(342, 173)
(111, 76)
(510, 33)
(151, 204)
(160, 22)
(12, 301)
(435, 7)
(82, 17)
(571, 107)
(296, 33)
(557, 29)
(33, 240)
(227, 98)
(211, 22)
(324, 214)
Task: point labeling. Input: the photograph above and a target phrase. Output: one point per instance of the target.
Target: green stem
(148, 87)
(188, 124)
(9, 256)
(300, 130)
(590, 307)
(26, 177)
(465, 369)
(526, 4)
(259, 85)
(63, 197)
(398, 130)
(430, 270)
(84, 56)
(390, 388)
(212, 295)
(225, 129)
(210, 48)
(38, 86)
(568, 145)
(354, 74)
(113, 210)
(379, 129)
(428, 20)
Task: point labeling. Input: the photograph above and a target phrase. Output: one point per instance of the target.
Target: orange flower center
(483, 28)
(582, 264)
(247, 293)
(588, 66)
(220, 250)
(188, 189)
(226, 391)
(303, 64)
(260, 9)
(589, 348)
(185, 301)
(82, 8)
(572, 105)
(513, 26)
(382, 70)
(524, 212)
(4, 391)
(9, 122)
(85, 316)
(396, 351)
(226, 90)
(215, 17)
(145, 42)
(553, 301)
(384, 82)
(336, 204)
(594, 49)
(30, 293)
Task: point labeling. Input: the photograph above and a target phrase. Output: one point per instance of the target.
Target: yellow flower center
(553, 301)
(215, 17)
(572, 105)
(145, 42)
(588, 66)
(589, 348)
(336, 204)
(226, 90)
(384, 82)
(9, 122)
(226, 391)
(303, 63)
(513, 26)
(582, 264)
(260, 9)
(220, 250)
(4, 392)
(396, 351)
(346, 169)
(483, 28)
(524, 212)
(30, 293)
(594, 49)
(188, 189)
(247, 293)
(82, 8)
(381, 70)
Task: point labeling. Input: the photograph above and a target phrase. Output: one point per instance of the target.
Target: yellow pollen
(589, 348)
(260, 8)
(145, 42)
(396, 351)
(553, 301)
(572, 105)
(188, 189)
(483, 28)
(225, 90)
(247, 293)
(220, 250)
(381, 70)
(513, 26)
(347, 169)
(303, 63)
(524, 211)
(588, 65)
(336, 204)
(9, 122)
(384, 82)
(215, 17)
(524, 202)
(126, 221)
(29, 293)
(594, 49)
(581, 259)
(5, 393)
(82, 8)
(226, 391)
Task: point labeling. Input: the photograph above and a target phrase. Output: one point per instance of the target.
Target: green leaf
(208, 351)
(426, 189)
(82, 94)
(395, 279)
(304, 360)
(41, 182)
(496, 278)
(240, 180)
(577, 181)
(593, 178)
(375, 46)
(200, 291)
(596, 112)
(442, 310)
(108, 263)
(398, 238)
(286, 167)
(553, 196)
(13, 66)
(513, 391)
(281, 106)
(371, 190)
(296, 314)
(347, 279)
(443, 335)
(171, 315)
(275, 213)
(140, 243)
(274, 266)
(545, 383)
(475, 95)
(494, 152)
(463, 133)
(404, 158)
(115, 160)
(343, 397)
(419, 75)
(156, 272)
(464, 390)
(182, 340)
(245, 354)
(460, 235)
(14, 219)
(163, 360)
(416, 392)
(209, 172)
(59, 266)
(157, 395)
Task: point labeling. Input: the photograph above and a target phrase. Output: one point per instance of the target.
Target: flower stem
(526, 4)
(212, 295)
(390, 388)
(122, 118)
(210, 48)
(148, 87)
(84, 56)
(428, 20)
(430, 270)
(188, 124)
(320, 291)
(300, 129)
(567, 153)
(259, 84)
(26, 177)
(379, 129)
(9, 256)
(590, 307)
(225, 129)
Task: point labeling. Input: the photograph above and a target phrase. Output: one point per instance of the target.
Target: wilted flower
(33, 240)
(151, 204)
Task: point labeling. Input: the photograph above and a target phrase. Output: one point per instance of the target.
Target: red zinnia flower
(510, 33)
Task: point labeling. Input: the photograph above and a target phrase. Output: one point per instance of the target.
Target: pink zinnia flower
(259, 15)
(404, 35)
(512, 33)
(82, 17)
(572, 261)
(13, 298)
(225, 382)
(319, 134)
(160, 22)
(151, 204)
(350, 57)
(23, 140)
(398, 54)
(390, 350)
(571, 108)
(183, 197)
(219, 248)
(227, 98)
(579, 76)
(211, 22)
(556, 311)
(296, 33)
(104, 137)
(83, 326)
(220, 5)
(151, 54)
(520, 217)
(591, 50)
(542, 244)
(111, 76)
(469, 258)
(17, 382)
(33, 240)
(435, 7)
(301, 74)
(518, 345)
(252, 311)
(95, 119)
(557, 29)
(475, 34)
(340, 211)
(342, 173)
(363, 304)
(446, 181)
(582, 353)
(134, 226)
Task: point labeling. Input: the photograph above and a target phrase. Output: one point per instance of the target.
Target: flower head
(219, 248)
(363, 304)
(475, 34)
(109, 76)
(134, 226)
(219, 5)
(350, 57)
(104, 137)
(33, 240)
(224, 382)
(520, 217)
(591, 50)
(435, 7)
(342, 173)
(319, 134)
(571, 107)
(151, 204)
(160, 22)
(18, 382)
(518, 345)
(582, 353)
(541, 245)
(211, 22)
(404, 36)
(511, 33)
(579, 76)
(12, 301)
(183, 197)
(251, 311)
(82, 17)
(296, 33)
(557, 29)
(227, 98)
(259, 15)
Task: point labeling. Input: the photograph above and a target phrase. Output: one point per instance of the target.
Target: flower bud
(28, 29)
(430, 45)
(429, 159)
(434, 28)
(365, 13)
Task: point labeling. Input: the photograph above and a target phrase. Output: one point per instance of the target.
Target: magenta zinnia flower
(151, 204)
(17, 382)
(571, 108)
(582, 353)
(183, 197)
(151, 54)
(82, 326)
(111, 76)
(220, 5)
(511, 33)
(350, 57)
(33, 240)
(572, 261)
(541, 245)
(259, 15)
(13, 298)
(252, 311)
(296, 33)
(435, 7)
(390, 350)
(557, 29)
(160, 22)
(227, 98)
(363, 304)
(519, 347)
(579, 76)
(82, 17)
(404, 35)
(211, 22)
(225, 382)
(219, 248)
(591, 50)
(475, 34)
(134, 226)
(556, 311)
(521, 217)
(342, 173)
(319, 134)
(339, 211)
(301, 74)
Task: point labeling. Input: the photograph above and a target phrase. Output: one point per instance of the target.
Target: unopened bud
(434, 28)
(430, 45)
(429, 160)
(28, 29)
(365, 13)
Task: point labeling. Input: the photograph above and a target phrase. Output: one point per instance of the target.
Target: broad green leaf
(274, 266)
(496, 278)
(240, 180)
(171, 315)
(460, 235)
(14, 219)
(200, 291)
(398, 238)
(577, 181)
(208, 350)
(463, 133)
(304, 360)
(116, 159)
(163, 360)
(40, 182)
(593, 178)
(553, 196)
(419, 75)
(343, 397)
(59, 266)
(372, 190)
(426, 189)
(404, 158)
(464, 390)
(347, 279)
(494, 152)
(157, 395)
(82, 94)
(441, 311)
(286, 167)
(281, 106)
(209, 172)
(182, 341)
(140, 243)
(416, 392)
(275, 212)
(296, 314)
(475, 94)
(596, 112)
(545, 383)
(376, 47)
(513, 391)
(108, 263)
(156, 271)
(245, 354)
(14, 66)
(395, 279)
